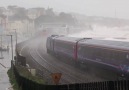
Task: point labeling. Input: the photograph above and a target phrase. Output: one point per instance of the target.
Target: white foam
(107, 33)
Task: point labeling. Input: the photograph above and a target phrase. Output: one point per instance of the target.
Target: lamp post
(16, 46)
(11, 44)
(1, 48)
(15, 37)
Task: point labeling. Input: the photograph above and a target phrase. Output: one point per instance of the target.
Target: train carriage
(110, 54)
(104, 53)
(65, 46)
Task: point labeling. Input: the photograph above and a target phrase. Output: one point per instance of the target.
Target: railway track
(46, 64)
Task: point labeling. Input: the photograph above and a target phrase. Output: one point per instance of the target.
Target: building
(22, 24)
(34, 13)
(3, 21)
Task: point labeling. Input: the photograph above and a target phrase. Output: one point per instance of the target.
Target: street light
(1, 48)
(15, 46)
(16, 37)
(11, 44)
(15, 34)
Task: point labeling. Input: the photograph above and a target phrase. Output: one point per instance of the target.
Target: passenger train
(113, 55)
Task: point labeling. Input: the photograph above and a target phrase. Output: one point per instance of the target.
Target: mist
(105, 8)
(104, 32)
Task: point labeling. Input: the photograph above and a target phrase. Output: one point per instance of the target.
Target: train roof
(97, 42)
(107, 43)
(68, 39)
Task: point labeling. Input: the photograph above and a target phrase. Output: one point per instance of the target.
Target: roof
(103, 43)
(107, 43)
(68, 39)
(18, 17)
(2, 16)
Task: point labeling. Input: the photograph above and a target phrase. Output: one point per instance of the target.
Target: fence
(27, 84)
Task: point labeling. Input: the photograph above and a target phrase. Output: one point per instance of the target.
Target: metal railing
(27, 84)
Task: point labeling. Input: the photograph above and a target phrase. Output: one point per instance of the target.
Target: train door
(76, 47)
(75, 51)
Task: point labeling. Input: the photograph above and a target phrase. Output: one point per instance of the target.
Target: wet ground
(4, 66)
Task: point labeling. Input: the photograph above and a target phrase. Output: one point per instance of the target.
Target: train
(112, 55)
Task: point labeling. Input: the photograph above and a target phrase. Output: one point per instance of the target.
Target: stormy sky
(106, 8)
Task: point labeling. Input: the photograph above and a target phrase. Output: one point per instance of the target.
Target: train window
(127, 56)
(65, 46)
(79, 48)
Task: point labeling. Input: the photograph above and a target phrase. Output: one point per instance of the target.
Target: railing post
(111, 85)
